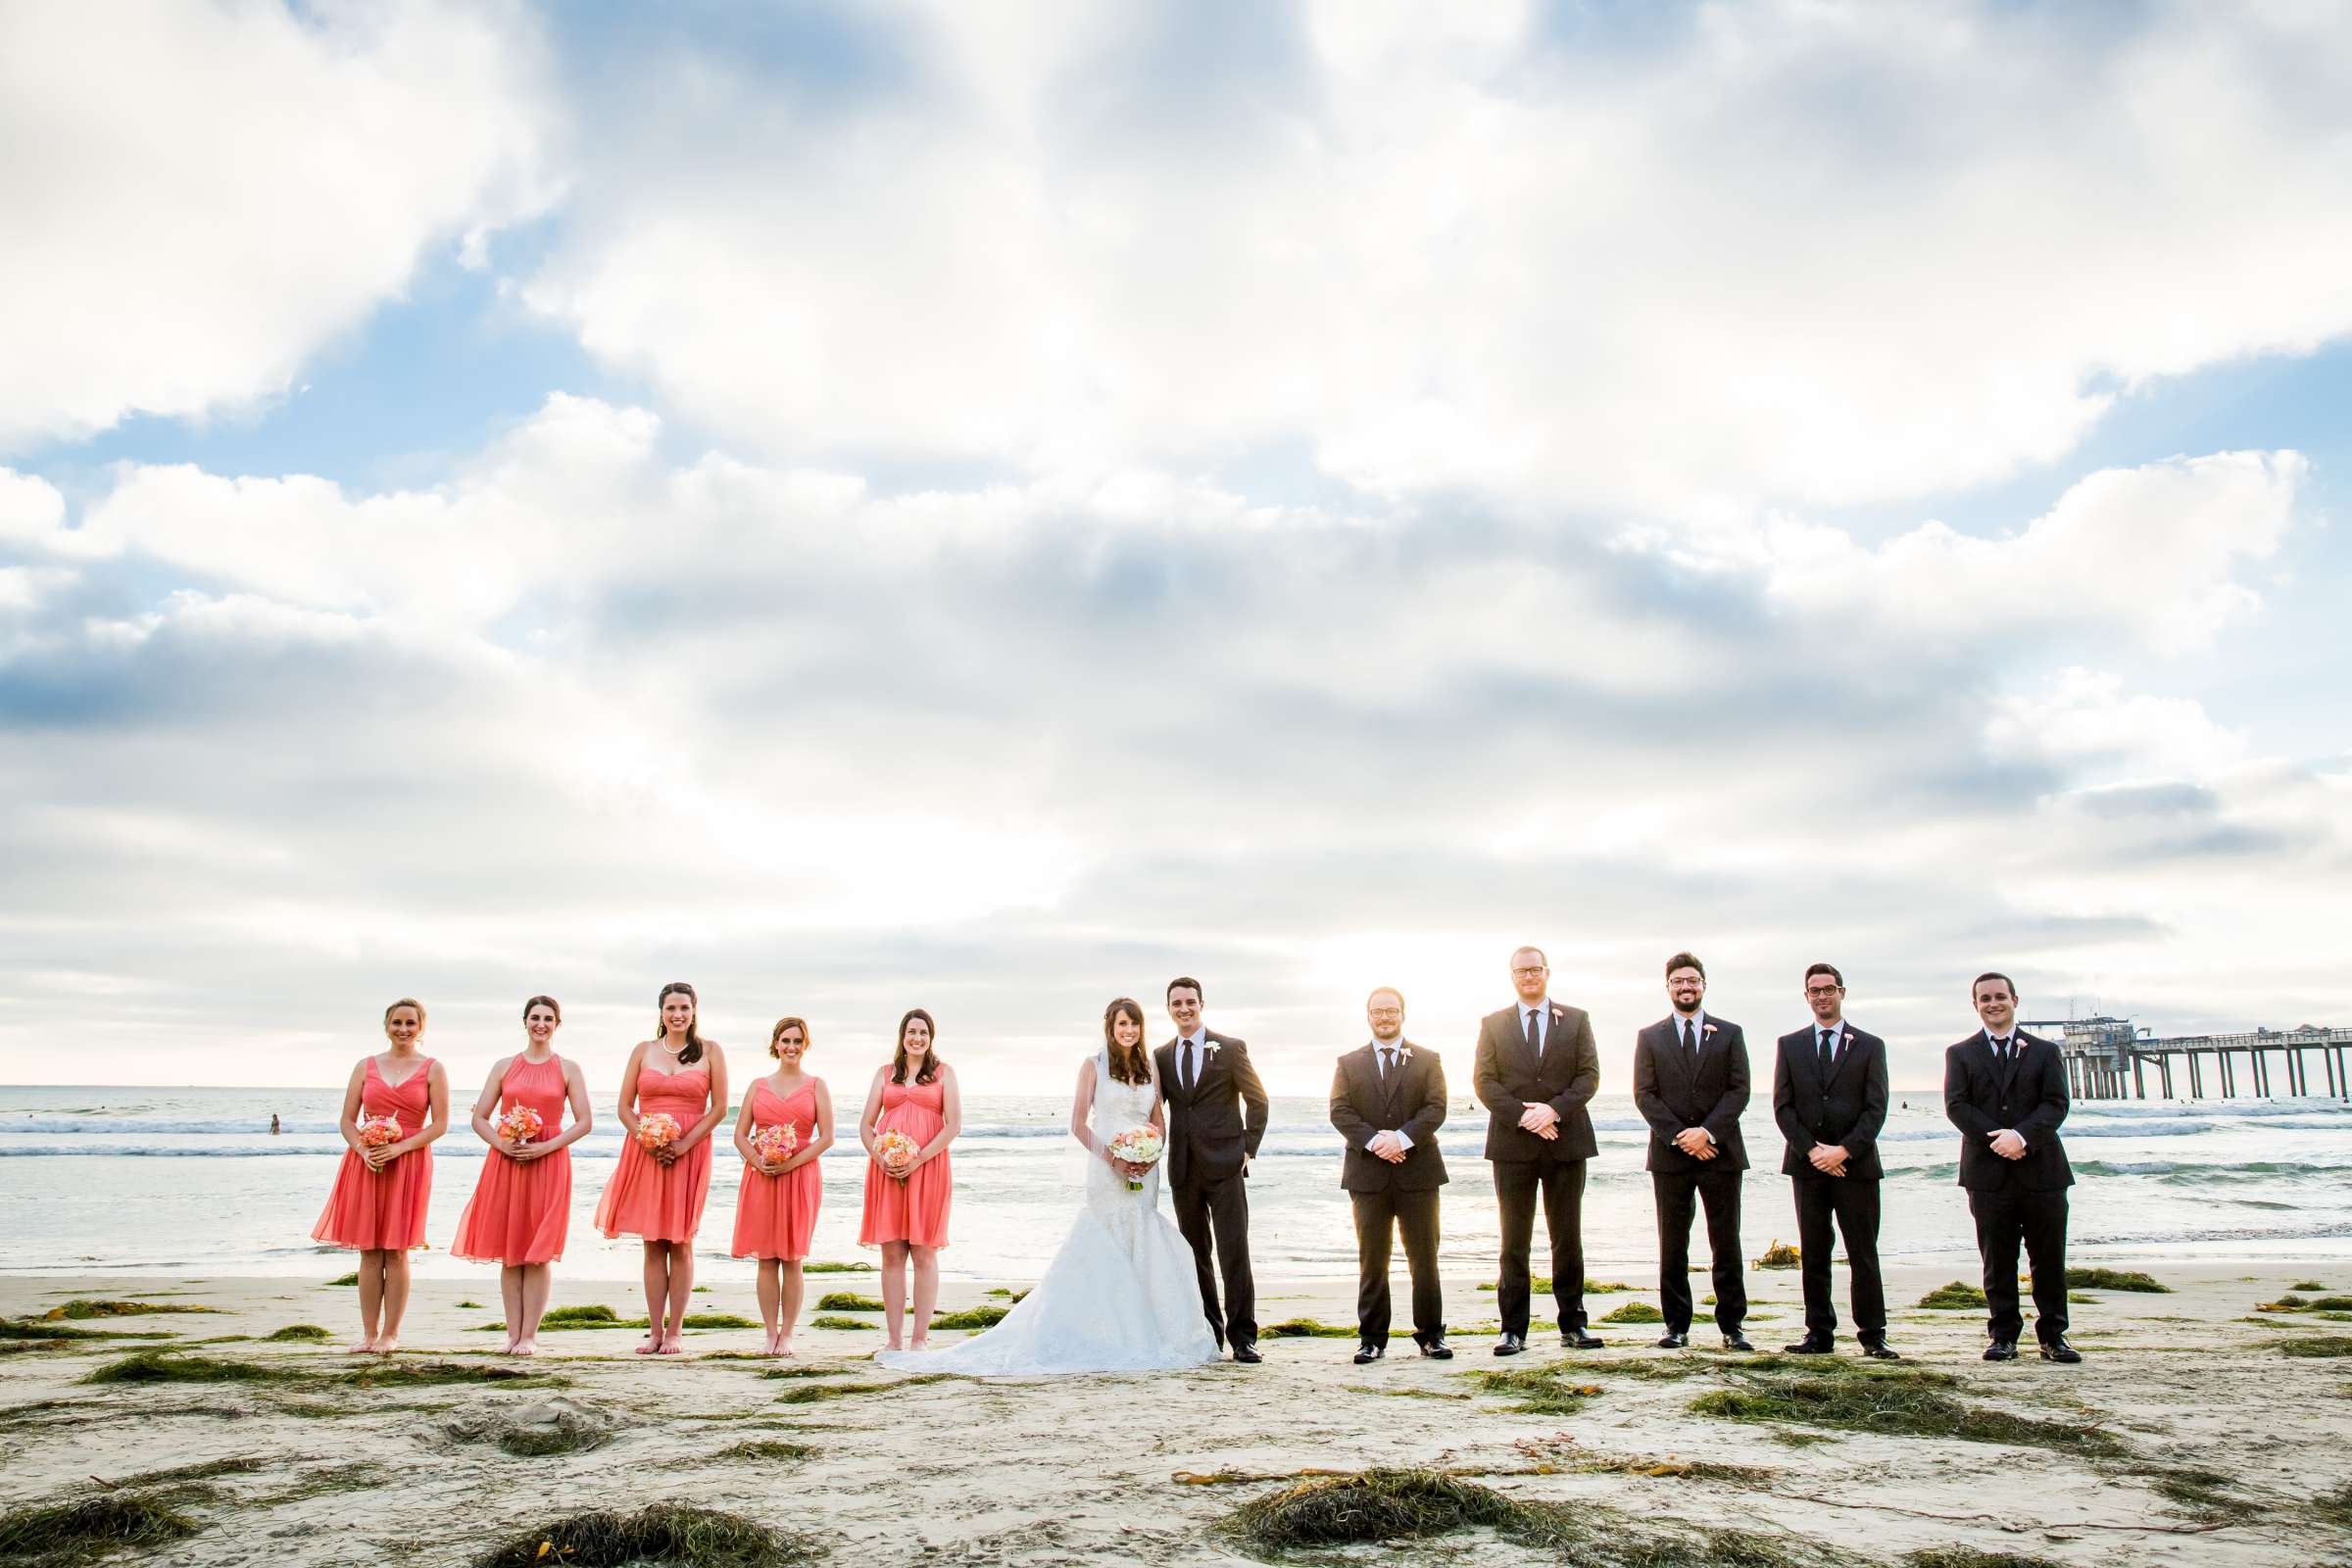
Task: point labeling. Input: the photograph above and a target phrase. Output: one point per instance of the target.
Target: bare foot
(894, 1346)
(363, 1347)
(784, 1348)
(527, 1348)
(671, 1346)
(385, 1347)
(652, 1345)
(920, 1344)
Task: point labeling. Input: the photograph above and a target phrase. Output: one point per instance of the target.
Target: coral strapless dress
(521, 1208)
(384, 1210)
(914, 1209)
(646, 1198)
(776, 1215)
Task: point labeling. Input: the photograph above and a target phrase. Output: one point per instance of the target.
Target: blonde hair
(406, 1001)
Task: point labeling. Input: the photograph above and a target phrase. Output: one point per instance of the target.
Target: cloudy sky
(994, 505)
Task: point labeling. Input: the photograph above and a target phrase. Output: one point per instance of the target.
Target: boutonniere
(1209, 1047)
(1706, 1028)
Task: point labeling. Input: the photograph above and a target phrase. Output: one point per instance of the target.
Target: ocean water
(190, 1181)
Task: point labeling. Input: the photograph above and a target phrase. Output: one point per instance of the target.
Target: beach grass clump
(818, 1393)
(801, 1371)
(768, 1451)
(387, 1374)
(170, 1366)
(1974, 1557)
(2200, 1490)
(1635, 1313)
(59, 1333)
(79, 1310)
(1550, 1389)
(352, 1278)
(1957, 1296)
(2115, 1279)
(89, 1528)
(1306, 1328)
(184, 1475)
(1780, 1255)
(666, 1532)
(814, 1267)
(720, 1320)
(298, 1334)
(1540, 1285)
(848, 1301)
(2314, 1346)
(1898, 1401)
(469, 1307)
(982, 1316)
(825, 1321)
(2335, 1507)
(586, 1316)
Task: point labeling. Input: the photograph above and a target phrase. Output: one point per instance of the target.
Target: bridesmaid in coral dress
(381, 1190)
(906, 1204)
(522, 1205)
(775, 1209)
(658, 1190)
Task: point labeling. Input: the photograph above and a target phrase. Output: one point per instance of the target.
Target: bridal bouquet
(658, 1130)
(377, 1131)
(1138, 1146)
(775, 1143)
(519, 1125)
(895, 1151)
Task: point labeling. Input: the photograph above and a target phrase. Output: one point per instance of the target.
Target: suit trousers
(1562, 1187)
(1219, 1210)
(1379, 1218)
(1679, 1194)
(2038, 1219)
(1852, 1202)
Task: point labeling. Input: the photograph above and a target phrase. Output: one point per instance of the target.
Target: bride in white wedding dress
(1121, 1295)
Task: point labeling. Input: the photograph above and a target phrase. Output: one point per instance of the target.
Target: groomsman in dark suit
(1829, 1095)
(1388, 1100)
(1691, 1085)
(1216, 1119)
(1537, 1070)
(2005, 1090)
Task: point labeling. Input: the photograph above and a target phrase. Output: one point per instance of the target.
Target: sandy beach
(2189, 1435)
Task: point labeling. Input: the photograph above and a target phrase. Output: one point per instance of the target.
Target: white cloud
(2083, 719)
(200, 196)
(1793, 253)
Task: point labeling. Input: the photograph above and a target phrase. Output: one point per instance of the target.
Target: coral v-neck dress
(650, 1200)
(383, 1210)
(521, 1208)
(776, 1215)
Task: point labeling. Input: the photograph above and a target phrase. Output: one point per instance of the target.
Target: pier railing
(2107, 1060)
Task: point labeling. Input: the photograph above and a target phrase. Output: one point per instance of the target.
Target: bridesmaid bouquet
(897, 1153)
(377, 1131)
(776, 1142)
(1138, 1146)
(658, 1130)
(519, 1125)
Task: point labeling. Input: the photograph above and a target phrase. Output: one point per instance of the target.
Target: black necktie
(1535, 1033)
(1829, 1042)
(1387, 1062)
(2007, 1045)
(1690, 1038)
(1190, 1075)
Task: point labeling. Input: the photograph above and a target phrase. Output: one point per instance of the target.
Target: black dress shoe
(1876, 1348)
(2059, 1351)
(1671, 1340)
(1578, 1339)
(2001, 1350)
(1810, 1344)
(1367, 1352)
(1247, 1354)
(1736, 1341)
(1509, 1345)
(1437, 1351)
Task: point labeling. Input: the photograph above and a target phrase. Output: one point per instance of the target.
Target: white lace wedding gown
(1122, 1295)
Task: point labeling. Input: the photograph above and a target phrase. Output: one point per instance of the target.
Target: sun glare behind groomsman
(1829, 1098)
(2005, 1090)
(1691, 1085)
(1388, 1100)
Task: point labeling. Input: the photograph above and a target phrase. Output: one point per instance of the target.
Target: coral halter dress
(521, 1208)
(650, 1200)
(383, 1210)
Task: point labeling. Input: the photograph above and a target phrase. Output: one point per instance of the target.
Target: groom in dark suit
(1829, 1096)
(1388, 1100)
(1216, 1119)
(2005, 1090)
(1691, 1085)
(1537, 1070)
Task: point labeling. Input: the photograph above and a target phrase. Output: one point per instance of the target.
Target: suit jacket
(1672, 1097)
(1218, 1125)
(1412, 1101)
(1509, 1079)
(1846, 1108)
(2031, 1099)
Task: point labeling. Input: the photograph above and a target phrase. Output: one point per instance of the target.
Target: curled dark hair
(1183, 980)
(1686, 961)
(1830, 970)
(549, 1003)
(898, 1061)
(694, 1040)
(1129, 1064)
(789, 1021)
